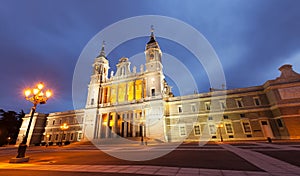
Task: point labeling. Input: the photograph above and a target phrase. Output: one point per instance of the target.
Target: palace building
(134, 104)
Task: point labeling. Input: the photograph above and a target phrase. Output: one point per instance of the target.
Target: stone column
(133, 123)
(107, 131)
(125, 125)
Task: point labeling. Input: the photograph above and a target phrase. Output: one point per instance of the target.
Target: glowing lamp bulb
(48, 93)
(35, 91)
(41, 94)
(40, 86)
(27, 92)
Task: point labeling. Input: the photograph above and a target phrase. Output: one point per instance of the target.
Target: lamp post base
(19, 160)
(21, 150)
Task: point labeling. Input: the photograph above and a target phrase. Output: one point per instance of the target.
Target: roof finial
(152, 30)
(102, 53)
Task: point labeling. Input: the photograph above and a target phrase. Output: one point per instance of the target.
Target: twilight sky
(42, 41)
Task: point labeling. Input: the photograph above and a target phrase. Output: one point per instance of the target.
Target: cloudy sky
(42, 41)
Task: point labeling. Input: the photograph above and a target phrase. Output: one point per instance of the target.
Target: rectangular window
(207, 106)
(242, 115)
(153, 92)
(113, 94)
(264, 122)
(138, 89)
(246, 126)
(121, 92)
(53, 122)
(279, 123)
(60, 121)
(225, 117)
(105, 91)
(182, 130)
(212, 129)
(222, 105)
(256, 101)
(79, 135)
(50, 136)
(228, 128)
(197, 131)
(56, 137)
(193, 108)
(71, 137)
(130, 92)
(179, 109)
(92, 101)
(239, 103)
(210, 118)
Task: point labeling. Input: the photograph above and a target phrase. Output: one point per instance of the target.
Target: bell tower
(153, 54)
(154, 76)
(99, 76)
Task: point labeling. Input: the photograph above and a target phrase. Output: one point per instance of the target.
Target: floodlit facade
(135, 103)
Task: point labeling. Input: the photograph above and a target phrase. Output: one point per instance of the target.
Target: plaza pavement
(252, 152)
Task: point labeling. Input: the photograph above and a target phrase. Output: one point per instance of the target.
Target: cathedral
(139, 105)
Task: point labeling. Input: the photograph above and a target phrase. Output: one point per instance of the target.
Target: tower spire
(152, 42)
(152, 37)
(102, 52)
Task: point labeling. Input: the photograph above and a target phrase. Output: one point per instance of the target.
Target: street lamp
(63, 127)
(220, 131)
(36, 96)
(8, 140)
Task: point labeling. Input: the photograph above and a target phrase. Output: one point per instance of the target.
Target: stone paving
(269, 165)
(136, 169)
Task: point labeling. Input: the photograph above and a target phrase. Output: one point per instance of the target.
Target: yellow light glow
(138, 89)
(130, 93)
(113, 95)
(221, 125)
(64, 126)
(111, 123)
(35, 91)
(41, 94)
(40, 86)
(48, 93)
(121, 92)
(27, 92)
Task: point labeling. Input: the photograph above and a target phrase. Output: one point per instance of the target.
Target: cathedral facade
(140, 105)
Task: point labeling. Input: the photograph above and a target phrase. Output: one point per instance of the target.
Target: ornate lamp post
(63, 128)
(220, 131)
(36, 96)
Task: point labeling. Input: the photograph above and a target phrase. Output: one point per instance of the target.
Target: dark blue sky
(42, 40)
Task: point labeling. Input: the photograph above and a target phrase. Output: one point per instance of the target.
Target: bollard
(269, 140)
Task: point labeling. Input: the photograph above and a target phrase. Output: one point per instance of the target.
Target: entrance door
(266, 129)
(122, 132)
(141, 130)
